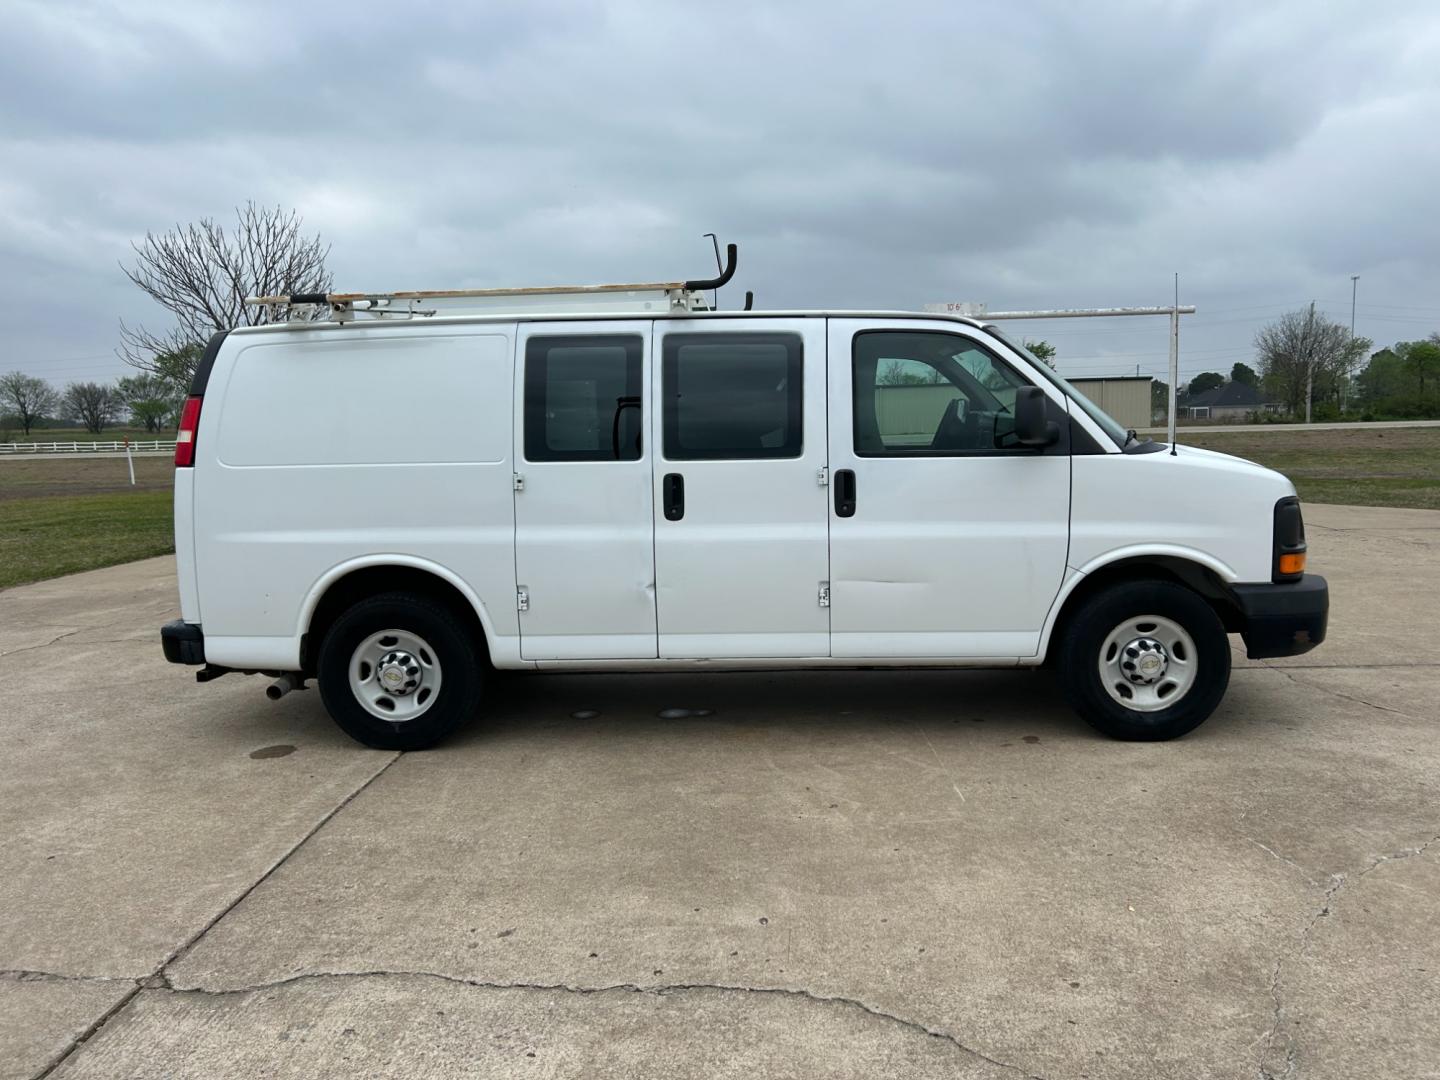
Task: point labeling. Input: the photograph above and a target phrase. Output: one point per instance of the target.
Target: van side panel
(322, 447)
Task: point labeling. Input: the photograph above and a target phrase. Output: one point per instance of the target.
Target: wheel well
(1199, 579)
(372, 581)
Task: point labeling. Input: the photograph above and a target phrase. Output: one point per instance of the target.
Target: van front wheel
(1145, 660)
(399, 672)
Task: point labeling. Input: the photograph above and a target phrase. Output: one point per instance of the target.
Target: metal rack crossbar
(647, 296)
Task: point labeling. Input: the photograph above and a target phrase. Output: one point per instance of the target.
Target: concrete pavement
(829, 874)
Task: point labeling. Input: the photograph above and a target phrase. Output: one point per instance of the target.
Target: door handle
(845, 493)
(673, 491)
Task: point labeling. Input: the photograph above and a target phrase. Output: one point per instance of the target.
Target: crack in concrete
(31, 975)
(1276, 855)
(1289, 674)
(1327, 903)
(43, 644)
(659, 989)
(157, 980)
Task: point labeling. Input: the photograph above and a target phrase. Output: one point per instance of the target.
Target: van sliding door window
(732, 396)
(583, 397)
(919, 393)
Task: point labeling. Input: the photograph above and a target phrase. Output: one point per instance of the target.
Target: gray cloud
(1047, 154)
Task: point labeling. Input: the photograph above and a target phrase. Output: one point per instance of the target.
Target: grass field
(60, 516)
(1357, 466)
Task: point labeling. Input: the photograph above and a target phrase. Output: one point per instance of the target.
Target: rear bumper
(1283, 620)
(184, 643)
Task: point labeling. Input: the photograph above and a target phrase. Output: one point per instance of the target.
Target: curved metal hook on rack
(701, 284)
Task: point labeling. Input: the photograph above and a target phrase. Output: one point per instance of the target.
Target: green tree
(176, 366)
(1206, 380)
(1244, 373)
(151, 399)
(1423, 358)
(28, 398)
(1042, 351)
(1402, 381)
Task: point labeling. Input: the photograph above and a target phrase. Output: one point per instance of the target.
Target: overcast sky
(1025, 155)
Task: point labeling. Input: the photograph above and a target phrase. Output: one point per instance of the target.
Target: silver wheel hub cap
(1144, 661)
(395, 675)
(1148, 663)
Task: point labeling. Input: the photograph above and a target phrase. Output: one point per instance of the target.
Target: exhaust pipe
(290, 680)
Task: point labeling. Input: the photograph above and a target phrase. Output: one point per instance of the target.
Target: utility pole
(1309, 360)
(1345, 384)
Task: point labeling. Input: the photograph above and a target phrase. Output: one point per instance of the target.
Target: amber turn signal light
(1292, 563)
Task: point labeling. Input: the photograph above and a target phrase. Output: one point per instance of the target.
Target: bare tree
(201, 274)
(93, 404)
(28, 397)
(1303, 350)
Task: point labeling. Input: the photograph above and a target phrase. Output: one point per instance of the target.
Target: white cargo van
(426, 487)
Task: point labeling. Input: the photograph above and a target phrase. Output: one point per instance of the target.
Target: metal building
(1125, 397)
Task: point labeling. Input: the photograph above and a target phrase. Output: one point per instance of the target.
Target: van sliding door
(741, 541)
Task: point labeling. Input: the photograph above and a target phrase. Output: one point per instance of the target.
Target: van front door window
(925, 393)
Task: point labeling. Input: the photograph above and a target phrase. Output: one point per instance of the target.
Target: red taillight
(185, 437)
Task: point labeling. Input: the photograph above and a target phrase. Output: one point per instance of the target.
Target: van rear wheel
(1145, 661)
(399, 672)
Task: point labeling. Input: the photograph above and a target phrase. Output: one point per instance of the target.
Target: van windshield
(1111, 427)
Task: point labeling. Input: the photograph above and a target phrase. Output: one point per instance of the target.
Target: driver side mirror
(1031, 427)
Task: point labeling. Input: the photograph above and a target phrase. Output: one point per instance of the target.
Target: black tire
(1080, 655)
(457, 653)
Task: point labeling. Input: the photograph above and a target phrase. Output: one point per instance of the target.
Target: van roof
(591, 316)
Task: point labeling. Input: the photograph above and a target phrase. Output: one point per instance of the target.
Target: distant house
(1228, 403)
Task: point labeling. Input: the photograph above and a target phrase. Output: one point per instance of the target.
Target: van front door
(946, 538)
(741, 545)
(584, 533)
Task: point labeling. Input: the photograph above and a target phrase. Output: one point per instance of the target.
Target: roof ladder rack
(652, 297)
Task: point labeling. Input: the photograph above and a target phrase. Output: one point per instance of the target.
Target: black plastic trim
(1146, 446)
(184, 643)
(207, 361)
(1081, 441)
(1283, 620)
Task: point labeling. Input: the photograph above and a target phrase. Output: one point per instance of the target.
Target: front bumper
(184, 643)
(1283, 620)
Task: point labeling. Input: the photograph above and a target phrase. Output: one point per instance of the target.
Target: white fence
(139, 446)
